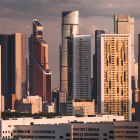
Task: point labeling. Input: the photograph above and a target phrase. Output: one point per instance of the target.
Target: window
(107, 62)
(110, 84)
(109, 59)
(124, 56)
(67, 134)
(122, 104)
(117, 61)
(111, 132)
(122, 62)
(111, 137)
(9, 125)
(105, 134)
(122, 92)
(117, 89)
(124, 76)
(61, 137)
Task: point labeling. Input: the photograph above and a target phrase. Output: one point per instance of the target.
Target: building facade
(8, 126)
(69, 26)
(79, 67)
(13, 65)
(33, 104)
(30, 64)
(42, 75)
(116, 130)
(81, 107)
(139, 61)
(114, 74)
(97, 33)
(123, 24)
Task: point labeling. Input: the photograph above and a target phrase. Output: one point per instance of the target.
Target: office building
(1, 96)
(14, 65)
(42, 75)
(139, 61)
(8, 126)
(2, 103)
(77, 130)
(30, 64)
(80, 107)
(33, 104)
(114, 74)
(123, 24)
(97, 33)
(79, 67)
(69, 26)
(48, 107)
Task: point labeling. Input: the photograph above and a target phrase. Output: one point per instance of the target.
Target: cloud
(45, 9)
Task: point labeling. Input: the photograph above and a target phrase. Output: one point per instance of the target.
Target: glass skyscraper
(69, 27)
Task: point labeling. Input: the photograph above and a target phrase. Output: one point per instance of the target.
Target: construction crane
(20, 28)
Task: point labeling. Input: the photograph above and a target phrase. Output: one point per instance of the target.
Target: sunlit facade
(114, 74)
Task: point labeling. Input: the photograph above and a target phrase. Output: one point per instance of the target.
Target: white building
(7, 127)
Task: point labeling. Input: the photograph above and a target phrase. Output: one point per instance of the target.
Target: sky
(93, 15)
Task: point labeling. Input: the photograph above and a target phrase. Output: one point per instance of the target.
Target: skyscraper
(139, 61)
(13, 65)
(79, 67)
(97, 33)
(69, 27)
(30, 63)
(114, 74)
(123, 24)
(41, 73)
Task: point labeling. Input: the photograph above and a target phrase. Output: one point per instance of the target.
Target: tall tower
(41, 72)
(123, 24)
(114, 74)
(30, 64)
(13, 65)
(97, 33)
(69, 27)
(79, 67)
(139, 61)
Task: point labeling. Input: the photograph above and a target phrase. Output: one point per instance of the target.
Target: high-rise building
(30, 64)
(97, 33)
(139, 61)
(41, 73)
(114, 74)
(69, 27)
(79, 67)
(13, 65)
(123, 24)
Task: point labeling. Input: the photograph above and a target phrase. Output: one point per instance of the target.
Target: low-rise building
(80, 107)
(80, 131)
(33, 104)
(7, 127)
(48, 107)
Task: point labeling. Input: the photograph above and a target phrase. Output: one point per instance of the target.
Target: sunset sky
(93, 15)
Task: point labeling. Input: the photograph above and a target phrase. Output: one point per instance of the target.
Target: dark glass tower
(97, 33)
